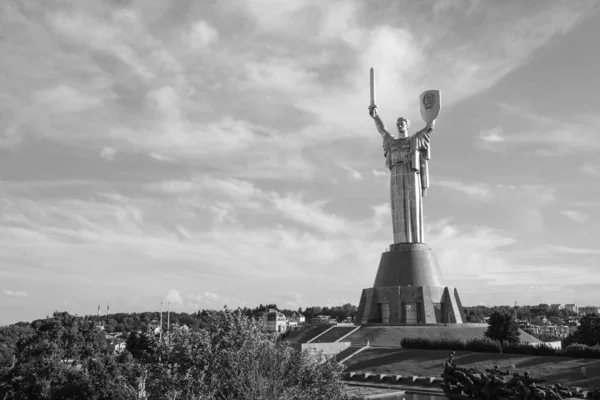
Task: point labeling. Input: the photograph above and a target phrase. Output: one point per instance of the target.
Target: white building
(297, 319)
(275, 321)
(320, 319)
(154, 326)
(572, 308)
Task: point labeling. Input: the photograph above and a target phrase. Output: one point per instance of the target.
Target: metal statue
(407, 158)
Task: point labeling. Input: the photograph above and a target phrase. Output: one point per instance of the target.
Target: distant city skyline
(206, 153)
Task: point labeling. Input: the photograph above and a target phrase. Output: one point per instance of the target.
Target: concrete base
(409, 289)
(409, 305)
(408, 264)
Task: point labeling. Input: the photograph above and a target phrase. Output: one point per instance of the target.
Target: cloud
(570, 250)
(16, 293)
(108, 153)
(64, 98)
(379, 174)
(575, 216)
(244, 194)
(475, 190)
(174, 296)
(591, 169)
(353, 174)
(544, 135)
(201, 34)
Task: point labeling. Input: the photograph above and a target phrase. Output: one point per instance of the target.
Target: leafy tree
(588, 332)
(502, 327)
(67, 357)
(233, 358)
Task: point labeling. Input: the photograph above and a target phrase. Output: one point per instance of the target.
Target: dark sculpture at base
(471, 383)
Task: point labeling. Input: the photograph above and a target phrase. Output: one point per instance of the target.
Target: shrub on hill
(433, 343)
(483, 345)
(524, 348)
(478, 345)
(582, 351)
(486, 345)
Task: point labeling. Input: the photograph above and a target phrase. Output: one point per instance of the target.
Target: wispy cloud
(474, 190)
(591, 169)
(575, 216)
(14, 293)
(174, 296)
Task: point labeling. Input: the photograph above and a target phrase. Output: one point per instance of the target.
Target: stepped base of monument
(410, 305)
(409, 289)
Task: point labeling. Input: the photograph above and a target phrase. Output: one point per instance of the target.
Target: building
(589, 310)
(560, 331)
(572, 308)
(274, 320)
(297, 318)
(320, 319)
(557, 306)
(154, 326)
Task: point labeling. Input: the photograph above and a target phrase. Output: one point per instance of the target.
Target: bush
(582, 351)
(433, 343)
(484, 345)
(524, 348)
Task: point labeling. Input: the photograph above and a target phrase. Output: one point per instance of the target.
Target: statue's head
(403, 124)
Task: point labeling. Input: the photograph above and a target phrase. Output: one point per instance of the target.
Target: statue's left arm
(423, 137)
(422, 155)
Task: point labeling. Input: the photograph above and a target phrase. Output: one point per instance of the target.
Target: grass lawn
(407, 362)
(392, 335)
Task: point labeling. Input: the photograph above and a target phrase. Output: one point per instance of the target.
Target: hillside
(390, 336)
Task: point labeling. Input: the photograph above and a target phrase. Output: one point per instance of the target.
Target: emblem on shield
(430, 105)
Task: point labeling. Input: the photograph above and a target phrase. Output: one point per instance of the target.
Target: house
(274, 320)
(557, 306)
(297, 319)
(320, 319)
(154, 326)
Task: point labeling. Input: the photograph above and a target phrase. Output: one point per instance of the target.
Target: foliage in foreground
(233, 358)
(65, 357)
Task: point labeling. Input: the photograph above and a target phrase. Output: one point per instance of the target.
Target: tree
(233, 358)
(502, 327)
(588, 332)
(67, 357)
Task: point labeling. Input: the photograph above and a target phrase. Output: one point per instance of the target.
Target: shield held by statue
(430, 105)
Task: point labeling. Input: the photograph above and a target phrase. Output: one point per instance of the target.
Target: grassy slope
(429, 363)
(334, 334)
(306, 333)
(391, 335)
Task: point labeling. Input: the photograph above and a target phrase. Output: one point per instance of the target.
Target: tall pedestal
(409, 289)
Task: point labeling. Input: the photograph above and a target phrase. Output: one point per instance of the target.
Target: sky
(210, 153)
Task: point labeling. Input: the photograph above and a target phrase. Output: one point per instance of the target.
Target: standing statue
(407, 158)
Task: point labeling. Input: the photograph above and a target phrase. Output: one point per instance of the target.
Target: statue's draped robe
(407, 158)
